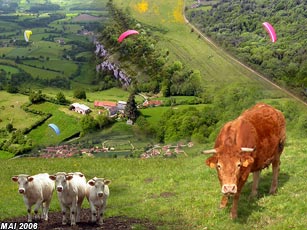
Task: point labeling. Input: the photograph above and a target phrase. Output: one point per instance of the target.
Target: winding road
(209, 41)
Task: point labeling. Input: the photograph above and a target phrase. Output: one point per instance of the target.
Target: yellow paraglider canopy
(27, 35)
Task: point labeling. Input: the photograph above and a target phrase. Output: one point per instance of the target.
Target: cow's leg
(256, 177)
(78, 212)
(64, 219)
(46, 205)
(93, 212)
(43, 211)
(100, 216)
(73, 210)
(37, 206)
(29, 213)
(234, 208)
(101, 212)
(224, 201)
(275, 167)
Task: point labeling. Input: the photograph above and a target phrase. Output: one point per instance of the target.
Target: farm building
(105, 104)
(80, 108)
(121, 105)
(152, 103)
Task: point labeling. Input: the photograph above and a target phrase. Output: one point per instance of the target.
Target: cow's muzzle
(229, 189)
(21, 191)
(59, 188)
(100, 194)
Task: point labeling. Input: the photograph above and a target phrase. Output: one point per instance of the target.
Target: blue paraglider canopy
(55, 128)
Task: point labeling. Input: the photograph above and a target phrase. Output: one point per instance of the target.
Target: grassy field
(66, 120)
(181, 193)
(178, 193)
(11, 111)
(176, 36)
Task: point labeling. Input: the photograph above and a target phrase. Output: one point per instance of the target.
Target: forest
(236, 25)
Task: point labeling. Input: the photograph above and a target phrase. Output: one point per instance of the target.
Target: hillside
(184, 70)
(178, 192)
(238, 28)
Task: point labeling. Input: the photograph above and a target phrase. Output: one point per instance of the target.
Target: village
(67, 151)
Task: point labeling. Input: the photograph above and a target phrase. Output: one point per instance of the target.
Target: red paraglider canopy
(269, 28)
(126, 34)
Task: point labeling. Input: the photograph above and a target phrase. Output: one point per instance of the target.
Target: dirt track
(111, 223)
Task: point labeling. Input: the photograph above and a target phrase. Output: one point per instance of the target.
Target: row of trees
(153, 71)
(201, 124)
(238, 28)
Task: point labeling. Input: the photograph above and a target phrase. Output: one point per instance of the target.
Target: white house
(80, 108)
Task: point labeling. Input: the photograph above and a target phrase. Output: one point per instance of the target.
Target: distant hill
(237, 27)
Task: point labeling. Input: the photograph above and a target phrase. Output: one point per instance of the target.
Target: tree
(9, 127)
(88, 124)
(103, 121)
(36, 97)
(131, 111)
(80, 94)
(60, 97)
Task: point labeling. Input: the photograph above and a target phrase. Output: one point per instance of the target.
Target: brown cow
(247, 144)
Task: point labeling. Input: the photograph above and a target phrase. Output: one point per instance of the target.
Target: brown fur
(262, 128)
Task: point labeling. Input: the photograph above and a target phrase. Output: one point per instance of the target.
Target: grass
(180, 193)
(176, 36)
(11, 111)
(62, 117)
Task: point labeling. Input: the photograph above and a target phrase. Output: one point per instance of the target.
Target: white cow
(38, 190)
(71, 192)
(97, 193)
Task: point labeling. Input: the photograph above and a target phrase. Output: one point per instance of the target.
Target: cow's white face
(61, 181)
(23, 182)
(99, 185)
(230, 165)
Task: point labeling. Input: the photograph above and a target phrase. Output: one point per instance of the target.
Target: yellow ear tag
(245, 163)
(212, 165)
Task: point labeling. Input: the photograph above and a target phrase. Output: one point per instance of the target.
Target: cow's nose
(229, 188)
(59, 189)
(100, 194)
(21, 191)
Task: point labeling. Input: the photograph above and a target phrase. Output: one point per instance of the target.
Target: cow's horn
(209, 151)
(247, 149)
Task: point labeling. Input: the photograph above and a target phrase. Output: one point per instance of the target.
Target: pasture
(172, 193)
(11, 111)
(178, 193)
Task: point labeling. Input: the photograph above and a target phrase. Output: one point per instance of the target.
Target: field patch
(12, 112)
(85, 18)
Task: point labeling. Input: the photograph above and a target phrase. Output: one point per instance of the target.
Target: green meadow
(172, 193)
(11, 111)
(177, 193)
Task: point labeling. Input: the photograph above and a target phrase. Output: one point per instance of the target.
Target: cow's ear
(15, 178)
(247, 160)
(106, 182)
(30, 178)
(91, 183)
(211, 162)
(69, 177)
(52, 177)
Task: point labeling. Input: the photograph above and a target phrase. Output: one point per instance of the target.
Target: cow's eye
(239, 165)
(219, 166)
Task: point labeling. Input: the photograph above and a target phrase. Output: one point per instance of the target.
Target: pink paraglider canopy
(269, 28)
(126, 34)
